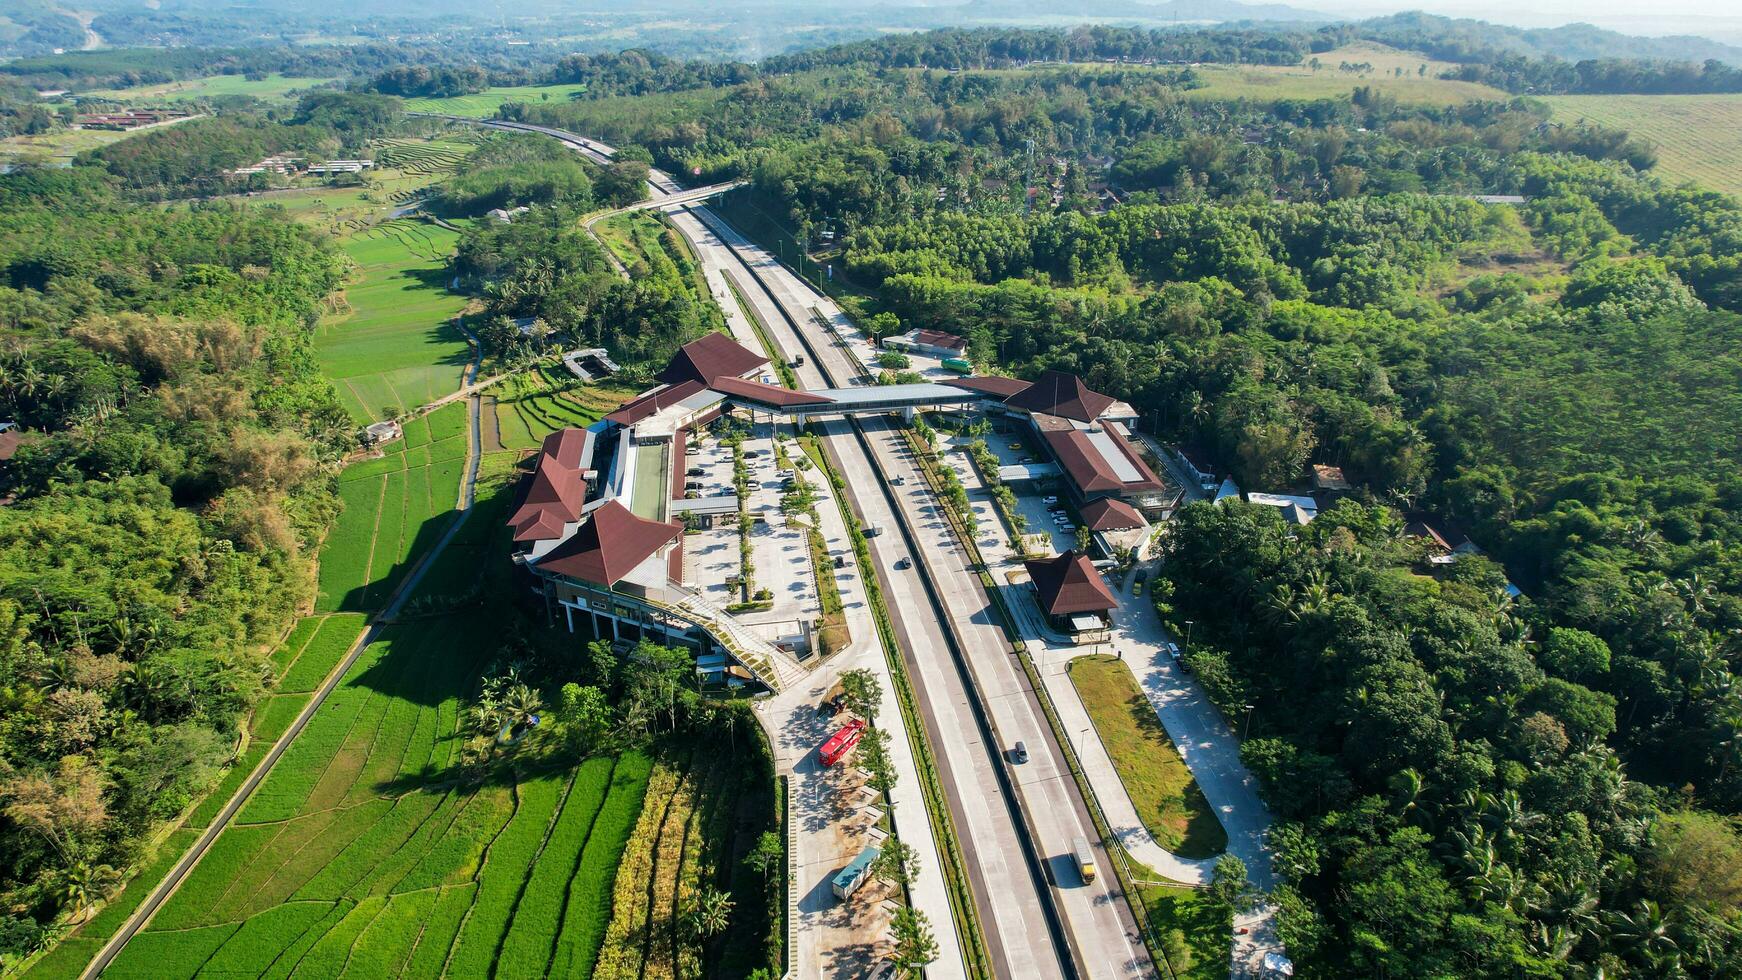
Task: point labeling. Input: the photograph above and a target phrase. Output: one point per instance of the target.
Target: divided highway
(1016, 823)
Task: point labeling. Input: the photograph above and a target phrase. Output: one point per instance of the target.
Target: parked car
(1173, 649)
(1049, 500)
(694, 471)
(692, 450)
(840, 561)
(1019, 753)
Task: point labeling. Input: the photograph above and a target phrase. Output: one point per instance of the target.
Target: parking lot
(779, 552)
(1031, 497)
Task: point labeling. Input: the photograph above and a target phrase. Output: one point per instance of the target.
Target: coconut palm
(83, 883)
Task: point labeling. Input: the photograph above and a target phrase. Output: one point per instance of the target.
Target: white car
(1049, 501)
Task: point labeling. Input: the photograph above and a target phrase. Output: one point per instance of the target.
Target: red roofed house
(613, 572)
(1072, 595)
(936, 343)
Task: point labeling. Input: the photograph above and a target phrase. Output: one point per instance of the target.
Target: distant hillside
(1474, 41)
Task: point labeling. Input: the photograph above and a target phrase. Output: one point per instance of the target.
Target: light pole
(1246, 723)
(1188, 636)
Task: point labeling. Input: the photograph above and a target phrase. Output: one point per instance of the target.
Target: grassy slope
(1699, 137)
(1166, 795)
(481, 105)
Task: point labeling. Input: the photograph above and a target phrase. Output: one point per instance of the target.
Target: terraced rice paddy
(532, 405)
(427, 157)
(396, 348)
(1698, 137)
(482, 105)
(362, 856)
(396, 507)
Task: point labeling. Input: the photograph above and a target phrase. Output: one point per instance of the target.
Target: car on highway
(898, 481)
(1019, 753)
(903, 562)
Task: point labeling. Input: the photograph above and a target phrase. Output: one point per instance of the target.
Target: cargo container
(958, 365)
(854, 874)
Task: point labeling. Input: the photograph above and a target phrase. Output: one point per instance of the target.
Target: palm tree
(712, 914)
(83, 883)
(521, 702)
(1646, 933)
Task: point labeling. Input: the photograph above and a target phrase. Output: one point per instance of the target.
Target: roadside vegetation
(1172, 807)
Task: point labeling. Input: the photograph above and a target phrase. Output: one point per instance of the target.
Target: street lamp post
(1247, 722)
(1188, 636)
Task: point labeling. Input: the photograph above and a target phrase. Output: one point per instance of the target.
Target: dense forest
(162, 513)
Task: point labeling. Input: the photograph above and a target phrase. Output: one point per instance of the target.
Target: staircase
(767, 662)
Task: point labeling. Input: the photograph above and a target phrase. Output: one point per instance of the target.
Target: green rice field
(396, 507)
(363, 856)
(482, 105)
(270, 88)
(534, 404)
(396, 347)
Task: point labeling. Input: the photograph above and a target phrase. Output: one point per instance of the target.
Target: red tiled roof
(991, 384)
(1086, 467)
(1058, 393)
(938, 338)
(556, 490)
(1111, 514)
(707, 358)
(9, 442)
(608, 546)
(640, 408)
(767, 394)
(1068, 584)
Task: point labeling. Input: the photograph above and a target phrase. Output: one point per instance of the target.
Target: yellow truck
(1085, 859)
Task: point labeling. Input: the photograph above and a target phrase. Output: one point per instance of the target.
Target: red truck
(842, 742)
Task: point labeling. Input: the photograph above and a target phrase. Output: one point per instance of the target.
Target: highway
(1015, 824)
(1041, 802)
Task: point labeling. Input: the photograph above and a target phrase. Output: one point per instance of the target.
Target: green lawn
(1193, 932)
(652, 481)
(1167, 797)
(397, 347)
(482, 105)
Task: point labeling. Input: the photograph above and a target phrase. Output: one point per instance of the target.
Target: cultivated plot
(396, 507)
(396, 347)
